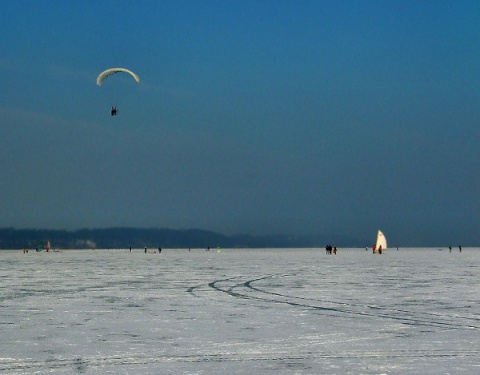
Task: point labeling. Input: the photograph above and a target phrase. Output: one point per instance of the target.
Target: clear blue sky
(258, 117)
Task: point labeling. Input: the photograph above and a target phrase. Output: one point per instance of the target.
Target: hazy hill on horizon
(112, 238)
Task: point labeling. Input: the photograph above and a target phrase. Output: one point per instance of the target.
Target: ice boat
(381, 243)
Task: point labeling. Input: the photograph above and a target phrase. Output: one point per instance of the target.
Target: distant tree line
(112, 238)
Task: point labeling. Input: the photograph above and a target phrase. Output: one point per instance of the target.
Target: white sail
(381, 241)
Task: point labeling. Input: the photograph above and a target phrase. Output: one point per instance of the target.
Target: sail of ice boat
(381, 243)
(47, 246)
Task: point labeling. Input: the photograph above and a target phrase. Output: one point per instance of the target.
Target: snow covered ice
(288, 311)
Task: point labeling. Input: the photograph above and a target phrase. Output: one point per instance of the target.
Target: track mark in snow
(242, 290)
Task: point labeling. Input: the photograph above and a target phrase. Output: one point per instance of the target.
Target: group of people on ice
(329, 249)
(375, 250)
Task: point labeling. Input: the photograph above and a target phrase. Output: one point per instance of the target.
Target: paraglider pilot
(114, 111)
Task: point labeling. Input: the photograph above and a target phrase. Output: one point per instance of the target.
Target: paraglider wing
(107, 73)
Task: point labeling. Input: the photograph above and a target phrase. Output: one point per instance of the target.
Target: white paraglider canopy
(107, 73)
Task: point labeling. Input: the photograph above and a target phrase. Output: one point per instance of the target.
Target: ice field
(288, 311)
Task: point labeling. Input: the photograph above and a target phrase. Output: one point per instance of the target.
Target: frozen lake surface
(289, 311)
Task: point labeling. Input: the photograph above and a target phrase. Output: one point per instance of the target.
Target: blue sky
(258, 117)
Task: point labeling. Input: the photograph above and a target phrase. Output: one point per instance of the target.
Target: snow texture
(288, 311)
